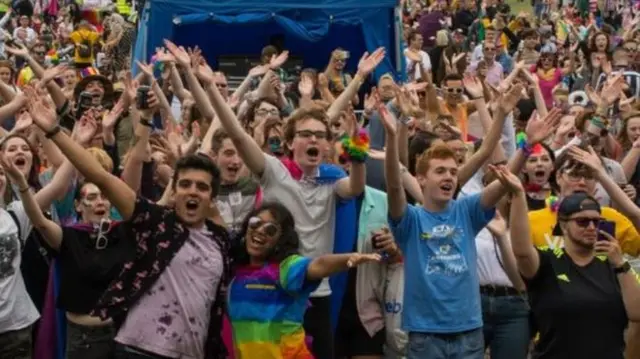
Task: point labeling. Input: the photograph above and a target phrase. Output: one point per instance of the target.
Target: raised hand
(146, 69)
(19, 50)
(368, 63)
(588, 158)
(110, 118)
(163, 56)
(370, 101)
(388, 119)
(473, 86)
(538, 129)
(23, 122)
(277, 61)
(509, 100)
(258, 70)
(179, 53)
(42, 113)
(85, 129)
(52, 73)
(305, 87)
(509, 180)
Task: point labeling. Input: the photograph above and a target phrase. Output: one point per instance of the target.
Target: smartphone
(142, 97)
(85, 101)
(608, 227)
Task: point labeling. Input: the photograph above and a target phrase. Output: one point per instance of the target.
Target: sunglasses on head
(269, 229)
(583, 222)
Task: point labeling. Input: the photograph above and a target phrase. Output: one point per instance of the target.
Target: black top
(579, 310)
(85, 271)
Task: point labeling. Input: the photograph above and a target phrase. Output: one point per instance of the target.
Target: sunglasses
(457, 90)
(103, 228)
(269, 229)
(583, 222)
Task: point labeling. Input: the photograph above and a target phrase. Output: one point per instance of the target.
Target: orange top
(459, 113)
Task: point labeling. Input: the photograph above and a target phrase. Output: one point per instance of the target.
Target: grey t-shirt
(313, 207)
(17, 311)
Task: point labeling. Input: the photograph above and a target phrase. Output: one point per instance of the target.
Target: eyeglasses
(457, 90)
(583, 222)
(321, 135)
(103, 229)
(577, 176)
(490, 49)
(269, 229)
(265, 112)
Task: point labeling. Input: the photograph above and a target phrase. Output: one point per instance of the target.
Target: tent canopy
(309, 29)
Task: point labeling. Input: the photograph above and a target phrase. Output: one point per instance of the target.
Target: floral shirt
(159, 235)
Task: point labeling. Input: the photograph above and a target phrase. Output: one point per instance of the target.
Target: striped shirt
(266, 308)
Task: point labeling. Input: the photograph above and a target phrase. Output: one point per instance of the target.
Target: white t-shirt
(313, 207)
(490, 271)
(425, 62)
(17, 311)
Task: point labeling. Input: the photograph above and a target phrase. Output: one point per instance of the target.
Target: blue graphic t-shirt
(441, 292)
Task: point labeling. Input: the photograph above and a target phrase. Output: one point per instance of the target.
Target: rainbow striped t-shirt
(266, 309)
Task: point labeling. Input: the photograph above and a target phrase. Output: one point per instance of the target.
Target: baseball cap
(574, 203)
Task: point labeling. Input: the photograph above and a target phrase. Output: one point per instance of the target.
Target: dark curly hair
(288, 241)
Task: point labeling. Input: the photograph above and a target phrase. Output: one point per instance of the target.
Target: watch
(626, 267)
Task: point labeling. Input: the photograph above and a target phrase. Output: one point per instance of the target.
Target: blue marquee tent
(311, 28)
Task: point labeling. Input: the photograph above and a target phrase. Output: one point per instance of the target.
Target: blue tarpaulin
(311, 28)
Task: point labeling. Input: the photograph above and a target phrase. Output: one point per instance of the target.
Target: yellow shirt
(543, 221)
(80, 36)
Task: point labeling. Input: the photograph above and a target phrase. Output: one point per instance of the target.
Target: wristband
(521, 143)
(53, 132)
(624, 268)
(356, 148)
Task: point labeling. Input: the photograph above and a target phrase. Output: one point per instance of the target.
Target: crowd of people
(484, 207)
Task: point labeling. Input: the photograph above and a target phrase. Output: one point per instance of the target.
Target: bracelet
(53, 132)
(23, 190)
(522, 144)
(64, 108)
(356, 148)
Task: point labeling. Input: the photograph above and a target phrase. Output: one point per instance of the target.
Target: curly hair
(288, 241)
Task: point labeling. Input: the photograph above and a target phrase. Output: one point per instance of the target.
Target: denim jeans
(506, 326)
(16, 344)
(465, 345)
(90, 342)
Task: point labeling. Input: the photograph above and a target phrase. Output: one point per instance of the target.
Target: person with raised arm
(168, 301)
(441, 297)
(582, 295)
(301, 182)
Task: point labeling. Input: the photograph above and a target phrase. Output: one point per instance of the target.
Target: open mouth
(233, 170)
(447, 187)
(540, 174)
(20, 161)
(101, 211)
(192, 205)
(313, 152)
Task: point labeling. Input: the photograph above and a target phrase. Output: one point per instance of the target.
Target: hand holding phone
(607, 227)
(142, 97)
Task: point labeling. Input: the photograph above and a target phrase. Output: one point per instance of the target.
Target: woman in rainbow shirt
(270, 291)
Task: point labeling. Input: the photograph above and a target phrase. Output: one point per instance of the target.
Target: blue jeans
(465, 345)
(506, 326)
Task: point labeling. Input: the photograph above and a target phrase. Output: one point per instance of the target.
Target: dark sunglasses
(268, 228)
(457, 90)
(584, 222)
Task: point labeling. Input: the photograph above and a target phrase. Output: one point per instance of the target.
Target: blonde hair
(442, 38)
(102, 157)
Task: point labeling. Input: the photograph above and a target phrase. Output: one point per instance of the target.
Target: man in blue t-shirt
(442, 312)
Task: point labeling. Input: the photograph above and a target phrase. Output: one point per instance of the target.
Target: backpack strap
(17, 222)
